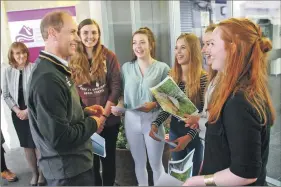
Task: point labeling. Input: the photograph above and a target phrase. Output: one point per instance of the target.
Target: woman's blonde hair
(194, 70)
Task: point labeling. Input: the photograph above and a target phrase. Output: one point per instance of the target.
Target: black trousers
(3, 162)
(83, 179)
(107, 178)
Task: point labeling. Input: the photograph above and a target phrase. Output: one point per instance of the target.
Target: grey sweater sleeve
(50, 101)
(5, 89)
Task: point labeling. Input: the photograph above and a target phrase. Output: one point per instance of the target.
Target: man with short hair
(59, 128)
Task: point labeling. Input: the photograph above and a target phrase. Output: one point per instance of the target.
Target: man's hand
(147, 107)
(182, 142)
(95, 110)
(100, 129)
(100, 124)
(154, 129)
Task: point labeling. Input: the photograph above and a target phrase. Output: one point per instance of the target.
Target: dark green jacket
(59, 128)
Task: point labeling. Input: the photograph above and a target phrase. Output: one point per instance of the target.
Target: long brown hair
(151, 40)
(245, 67)
(17, 45)
(82, 72)
(194, 70)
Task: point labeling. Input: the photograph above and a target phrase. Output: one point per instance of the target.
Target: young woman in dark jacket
(240, 109)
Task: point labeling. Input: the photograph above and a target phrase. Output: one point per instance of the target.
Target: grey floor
(16, 162)
(274, 161)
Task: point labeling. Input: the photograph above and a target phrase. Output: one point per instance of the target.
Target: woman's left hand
(195, 181)
(191, 121)
(181, 142)
(148, 106)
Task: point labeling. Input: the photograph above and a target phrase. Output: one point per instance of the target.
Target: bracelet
(156, 106)
(155, 125)
(105, 116)
(209, 180)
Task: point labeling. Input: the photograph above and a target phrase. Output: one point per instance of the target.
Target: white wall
(84, 9)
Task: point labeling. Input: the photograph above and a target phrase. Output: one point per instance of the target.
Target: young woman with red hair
(240, 108)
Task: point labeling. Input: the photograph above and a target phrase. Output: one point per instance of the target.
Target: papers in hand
(167, 180)
(163, 140)
(123, 110)
(118, 109)
(182, 169)
(172, 99)
(98, 143)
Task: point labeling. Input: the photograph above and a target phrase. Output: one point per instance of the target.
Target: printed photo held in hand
(181, 169)
(98, 143)
(163, 139)
(167, 180)
(122, 110)
(172, 99)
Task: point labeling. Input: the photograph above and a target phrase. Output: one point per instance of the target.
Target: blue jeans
(194, 144)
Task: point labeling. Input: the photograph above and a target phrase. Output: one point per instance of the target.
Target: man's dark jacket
(59, 128)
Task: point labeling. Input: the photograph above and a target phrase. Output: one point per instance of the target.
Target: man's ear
(52, 33)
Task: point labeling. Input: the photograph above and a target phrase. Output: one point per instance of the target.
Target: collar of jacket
(56, 62)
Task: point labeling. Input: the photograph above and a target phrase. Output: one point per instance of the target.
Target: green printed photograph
(172, 99)
(182, 176)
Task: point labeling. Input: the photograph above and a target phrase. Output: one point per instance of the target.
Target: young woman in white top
(140, 74)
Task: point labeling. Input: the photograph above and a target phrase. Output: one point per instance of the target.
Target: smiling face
(141, 46)
(89, 35)
(67, 39)
(206, 44)
(217, 50)
(20, 56)
(182, 53)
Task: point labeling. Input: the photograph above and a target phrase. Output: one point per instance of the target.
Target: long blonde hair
(82, 72)
(194, 70)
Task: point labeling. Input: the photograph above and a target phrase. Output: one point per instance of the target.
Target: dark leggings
(108, 163)
(3, 162)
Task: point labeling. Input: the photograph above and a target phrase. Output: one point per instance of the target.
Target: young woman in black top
(241, 111)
